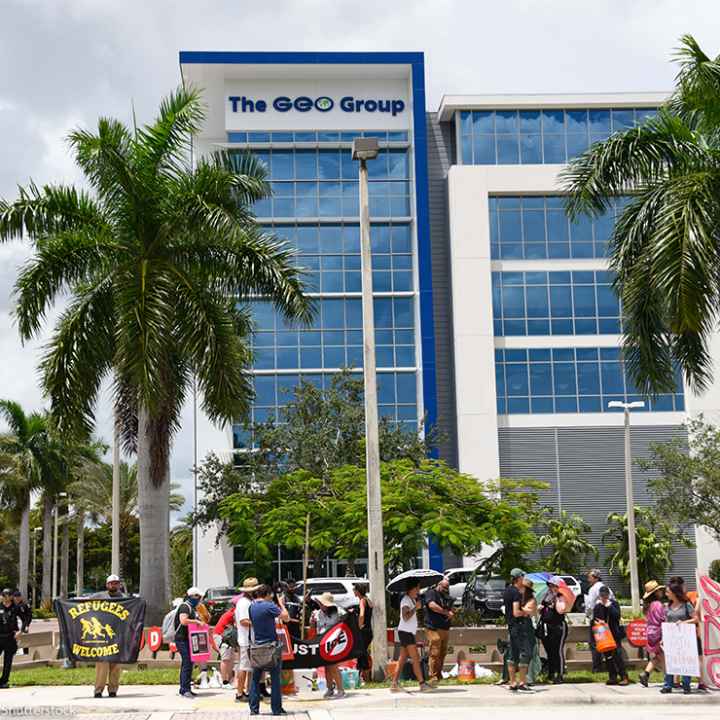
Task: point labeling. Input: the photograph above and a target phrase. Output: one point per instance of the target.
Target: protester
(607, 610)
(326, 616)
(407, 630)
(529, 608)
(226, 650)
(594, 578)
(519, 650)
(293, 604)
(263, 614)
(10, 624)
(24, 610)
(203, 616)
(680, 611)
(107, 673)
(438, 617)
(242, 622)
(365, 612)
(553, 630)
(186, 614)
(655, 613)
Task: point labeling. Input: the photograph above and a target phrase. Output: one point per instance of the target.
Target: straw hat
(528, 583)
(249, 584)
(326, 599)
(652, 587)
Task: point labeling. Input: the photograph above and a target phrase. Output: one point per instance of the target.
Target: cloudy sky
(64, 62)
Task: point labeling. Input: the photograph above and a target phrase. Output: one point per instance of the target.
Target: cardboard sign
(199, 642)
(680, 647)
(637, 632)
(709, 594)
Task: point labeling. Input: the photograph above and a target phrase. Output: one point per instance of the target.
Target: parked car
(457, 578)
(484, 594)
(217, 600)
(574, 584)
(342, 589)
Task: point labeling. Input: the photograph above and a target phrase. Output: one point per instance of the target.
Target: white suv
(342, 589)
(457, 578)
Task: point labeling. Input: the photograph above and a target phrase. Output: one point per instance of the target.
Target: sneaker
(112, 694)
(624, 682)
(97, 694)
(666, 690)
(512, 688)
(433, 683)
(612, 682)
(340, 695)
(525, 688)
(424, 687)
(395, 688)
(227, 686)
(687, 691)
(329, 692)
(242, 697)
(644, 679)
(187, 694)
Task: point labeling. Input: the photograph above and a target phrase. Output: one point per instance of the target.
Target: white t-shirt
(410, 625)
(242, 612)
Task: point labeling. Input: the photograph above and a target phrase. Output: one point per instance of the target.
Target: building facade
(495, 316)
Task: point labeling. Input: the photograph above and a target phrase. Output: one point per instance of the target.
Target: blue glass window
(534, 136)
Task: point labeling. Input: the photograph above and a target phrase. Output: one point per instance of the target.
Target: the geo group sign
(709, 595)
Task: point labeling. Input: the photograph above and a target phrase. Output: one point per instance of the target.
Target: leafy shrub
(714, 571)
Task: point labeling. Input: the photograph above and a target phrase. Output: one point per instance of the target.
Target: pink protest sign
(709, 595)
(199, 643)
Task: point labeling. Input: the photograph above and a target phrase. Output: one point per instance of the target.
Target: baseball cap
(604, 590)
(112, 578)
(516, 573)
(7, 591)
(596, 573)
(194, 591)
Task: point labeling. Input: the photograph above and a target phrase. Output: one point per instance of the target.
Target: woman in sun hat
(655, 614)
(327, 615)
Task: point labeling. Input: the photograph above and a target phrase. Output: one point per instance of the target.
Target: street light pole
(115, 540)
(364, 149)
(630, 498)
(34, 585)
(55, 546)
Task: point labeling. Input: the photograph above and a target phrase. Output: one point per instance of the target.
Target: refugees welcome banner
(101, 630)
(340, 643)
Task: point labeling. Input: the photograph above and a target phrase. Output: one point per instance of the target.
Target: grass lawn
(169, 676)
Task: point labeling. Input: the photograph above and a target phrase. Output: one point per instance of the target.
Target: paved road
(569, 702)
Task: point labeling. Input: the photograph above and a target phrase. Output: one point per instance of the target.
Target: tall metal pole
(55, 553)
(632, 541)
(34, 584)
(376, 558)
(115, 543)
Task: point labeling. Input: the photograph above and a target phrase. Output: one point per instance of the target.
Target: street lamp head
(616, 404)
(634, 405)
(365, 148)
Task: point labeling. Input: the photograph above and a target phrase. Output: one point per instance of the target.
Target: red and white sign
(637, 632)
(154, 638)
(709, 594)
(337, 644)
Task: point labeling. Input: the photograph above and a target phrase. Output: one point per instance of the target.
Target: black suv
(484, 594)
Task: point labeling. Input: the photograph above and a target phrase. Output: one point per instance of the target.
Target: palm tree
(92, 498)
(665, 243)
(566, 538)
(38, 466)
(155, 261)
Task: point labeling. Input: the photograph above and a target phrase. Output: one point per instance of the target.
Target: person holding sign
(679, 611)
(107, 673)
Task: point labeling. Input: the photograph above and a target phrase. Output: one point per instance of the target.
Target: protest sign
(101, 630)
(199, 642)
(709, 594)
(340, 643)
(680, 648)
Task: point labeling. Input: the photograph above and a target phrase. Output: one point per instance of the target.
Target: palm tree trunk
(65, 555)
(80, 554)
(24, 549)
(153, 498)
(47, 549)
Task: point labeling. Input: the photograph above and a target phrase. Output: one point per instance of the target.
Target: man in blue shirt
(263, 614)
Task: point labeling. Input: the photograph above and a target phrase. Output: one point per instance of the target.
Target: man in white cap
(185, 615)
(107, 673)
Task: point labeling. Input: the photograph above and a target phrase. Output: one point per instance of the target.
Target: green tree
(181, 557)
(655, 538)
(154, 262)
(565, 538)
(319, 431)
(686, 481)
(37, 463)
(419, 499)
(664, 247)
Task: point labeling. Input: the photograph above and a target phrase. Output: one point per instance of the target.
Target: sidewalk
(161, 702)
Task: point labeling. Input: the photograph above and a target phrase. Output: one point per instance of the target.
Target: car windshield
(495, 584)
(220, 592)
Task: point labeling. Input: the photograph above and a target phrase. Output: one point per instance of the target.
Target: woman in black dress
(365, 611)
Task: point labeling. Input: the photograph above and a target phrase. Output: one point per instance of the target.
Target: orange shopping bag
(604, 640)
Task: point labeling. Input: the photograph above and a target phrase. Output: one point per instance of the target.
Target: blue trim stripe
(188, 57)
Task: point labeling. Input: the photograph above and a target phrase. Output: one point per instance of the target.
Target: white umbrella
(423, 577)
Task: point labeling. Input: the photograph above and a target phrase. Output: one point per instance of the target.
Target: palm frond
(13, 414)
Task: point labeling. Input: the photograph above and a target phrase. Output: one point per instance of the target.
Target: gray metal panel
(440, 157)
(584, 467)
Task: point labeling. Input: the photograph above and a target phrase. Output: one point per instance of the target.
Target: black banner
(340, 643)
(101, 630)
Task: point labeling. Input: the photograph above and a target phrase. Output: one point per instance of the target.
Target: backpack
(230, 637)
(168, 625)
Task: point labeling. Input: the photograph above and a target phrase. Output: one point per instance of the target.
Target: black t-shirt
(435, 620)
(185, 608)
(510, 596)
(9, 620)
